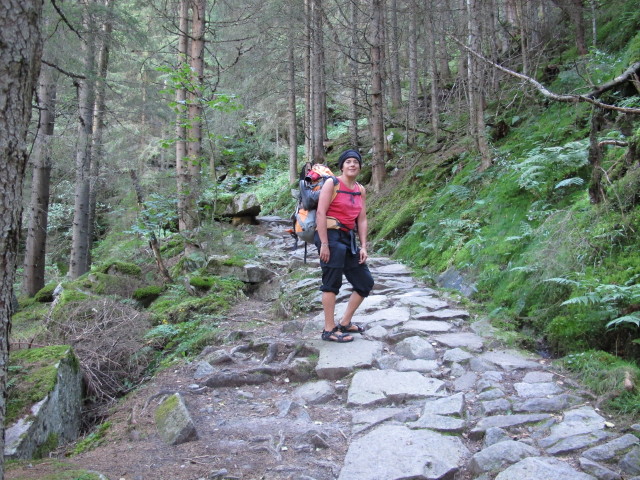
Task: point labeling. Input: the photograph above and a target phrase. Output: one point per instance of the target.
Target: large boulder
(173, 421)
(45, 401)
(225, 266)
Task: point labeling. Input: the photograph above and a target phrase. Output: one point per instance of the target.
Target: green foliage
(159, 214)
(176, 306)
(605, 375)
(93, 440)
(552, 168)
(609, 302)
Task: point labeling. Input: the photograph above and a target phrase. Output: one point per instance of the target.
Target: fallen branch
(627, 75)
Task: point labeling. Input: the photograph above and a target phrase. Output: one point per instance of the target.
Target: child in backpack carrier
(341, 218)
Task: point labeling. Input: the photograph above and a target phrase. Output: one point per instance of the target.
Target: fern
(569, 182)
(607, 300)
(539, 172)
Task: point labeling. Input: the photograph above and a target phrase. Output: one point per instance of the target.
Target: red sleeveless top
(347, 205)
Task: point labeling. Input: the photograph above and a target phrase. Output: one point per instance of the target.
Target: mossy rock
(124, 268)
(110, 284)
(45, 294)
(202, 283)
(147, 295)
(32, 375)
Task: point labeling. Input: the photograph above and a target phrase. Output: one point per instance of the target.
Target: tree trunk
(318, 127)
(183, 177)
(97, 150)
(412, 110)
(432, 69)
(19, 68)
(475, 80)
(293, 126)
(79, 261)
(308, 104)
(377, 101)
(35, 250)
(353, 69)
(394, 76)
(194, 145)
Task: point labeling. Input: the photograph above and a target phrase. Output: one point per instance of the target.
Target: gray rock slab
(387, 317)
(535, 390)
(416, 454)
(499, 455)
(419, 365)
(538, 377)
(383, 387)
(451, 405)
(505, 421)
(612, 449)
(630, 463)
(491, 394)
(550, 404)
(597, 470)
(440, 423)
(366, 419)
(339, 359)
(414, 348)
(466, 382)
(456, 355)
(509, 360)
(579, 421)
(426, 326)
(422, 299)
(542, 468)
(314, 393)
(577, 442)
(373, 303)
(494, 407)
(377, 333)
(470, 341)
(444, 314)
(393, 269)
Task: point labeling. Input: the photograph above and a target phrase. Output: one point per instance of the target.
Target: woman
(341, 215)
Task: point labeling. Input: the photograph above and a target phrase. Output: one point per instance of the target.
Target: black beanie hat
(349, 154)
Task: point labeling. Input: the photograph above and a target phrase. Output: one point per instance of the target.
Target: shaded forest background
(500, 140)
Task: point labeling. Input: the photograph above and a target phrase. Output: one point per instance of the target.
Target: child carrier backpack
(312, 178)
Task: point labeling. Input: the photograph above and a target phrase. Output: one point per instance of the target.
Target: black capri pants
(344, 259)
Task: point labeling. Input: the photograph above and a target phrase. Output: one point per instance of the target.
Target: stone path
(432, 395)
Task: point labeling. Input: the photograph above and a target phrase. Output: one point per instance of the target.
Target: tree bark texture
(19, 68)
(35, 249)
(293, 124)
(318, 126)
(377, 94)
(183, 176)
(394, 50)
(354, 80)
(97, 150)
(412, 41)
(79, 260)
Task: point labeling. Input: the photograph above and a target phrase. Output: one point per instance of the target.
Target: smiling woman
(340, 218)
